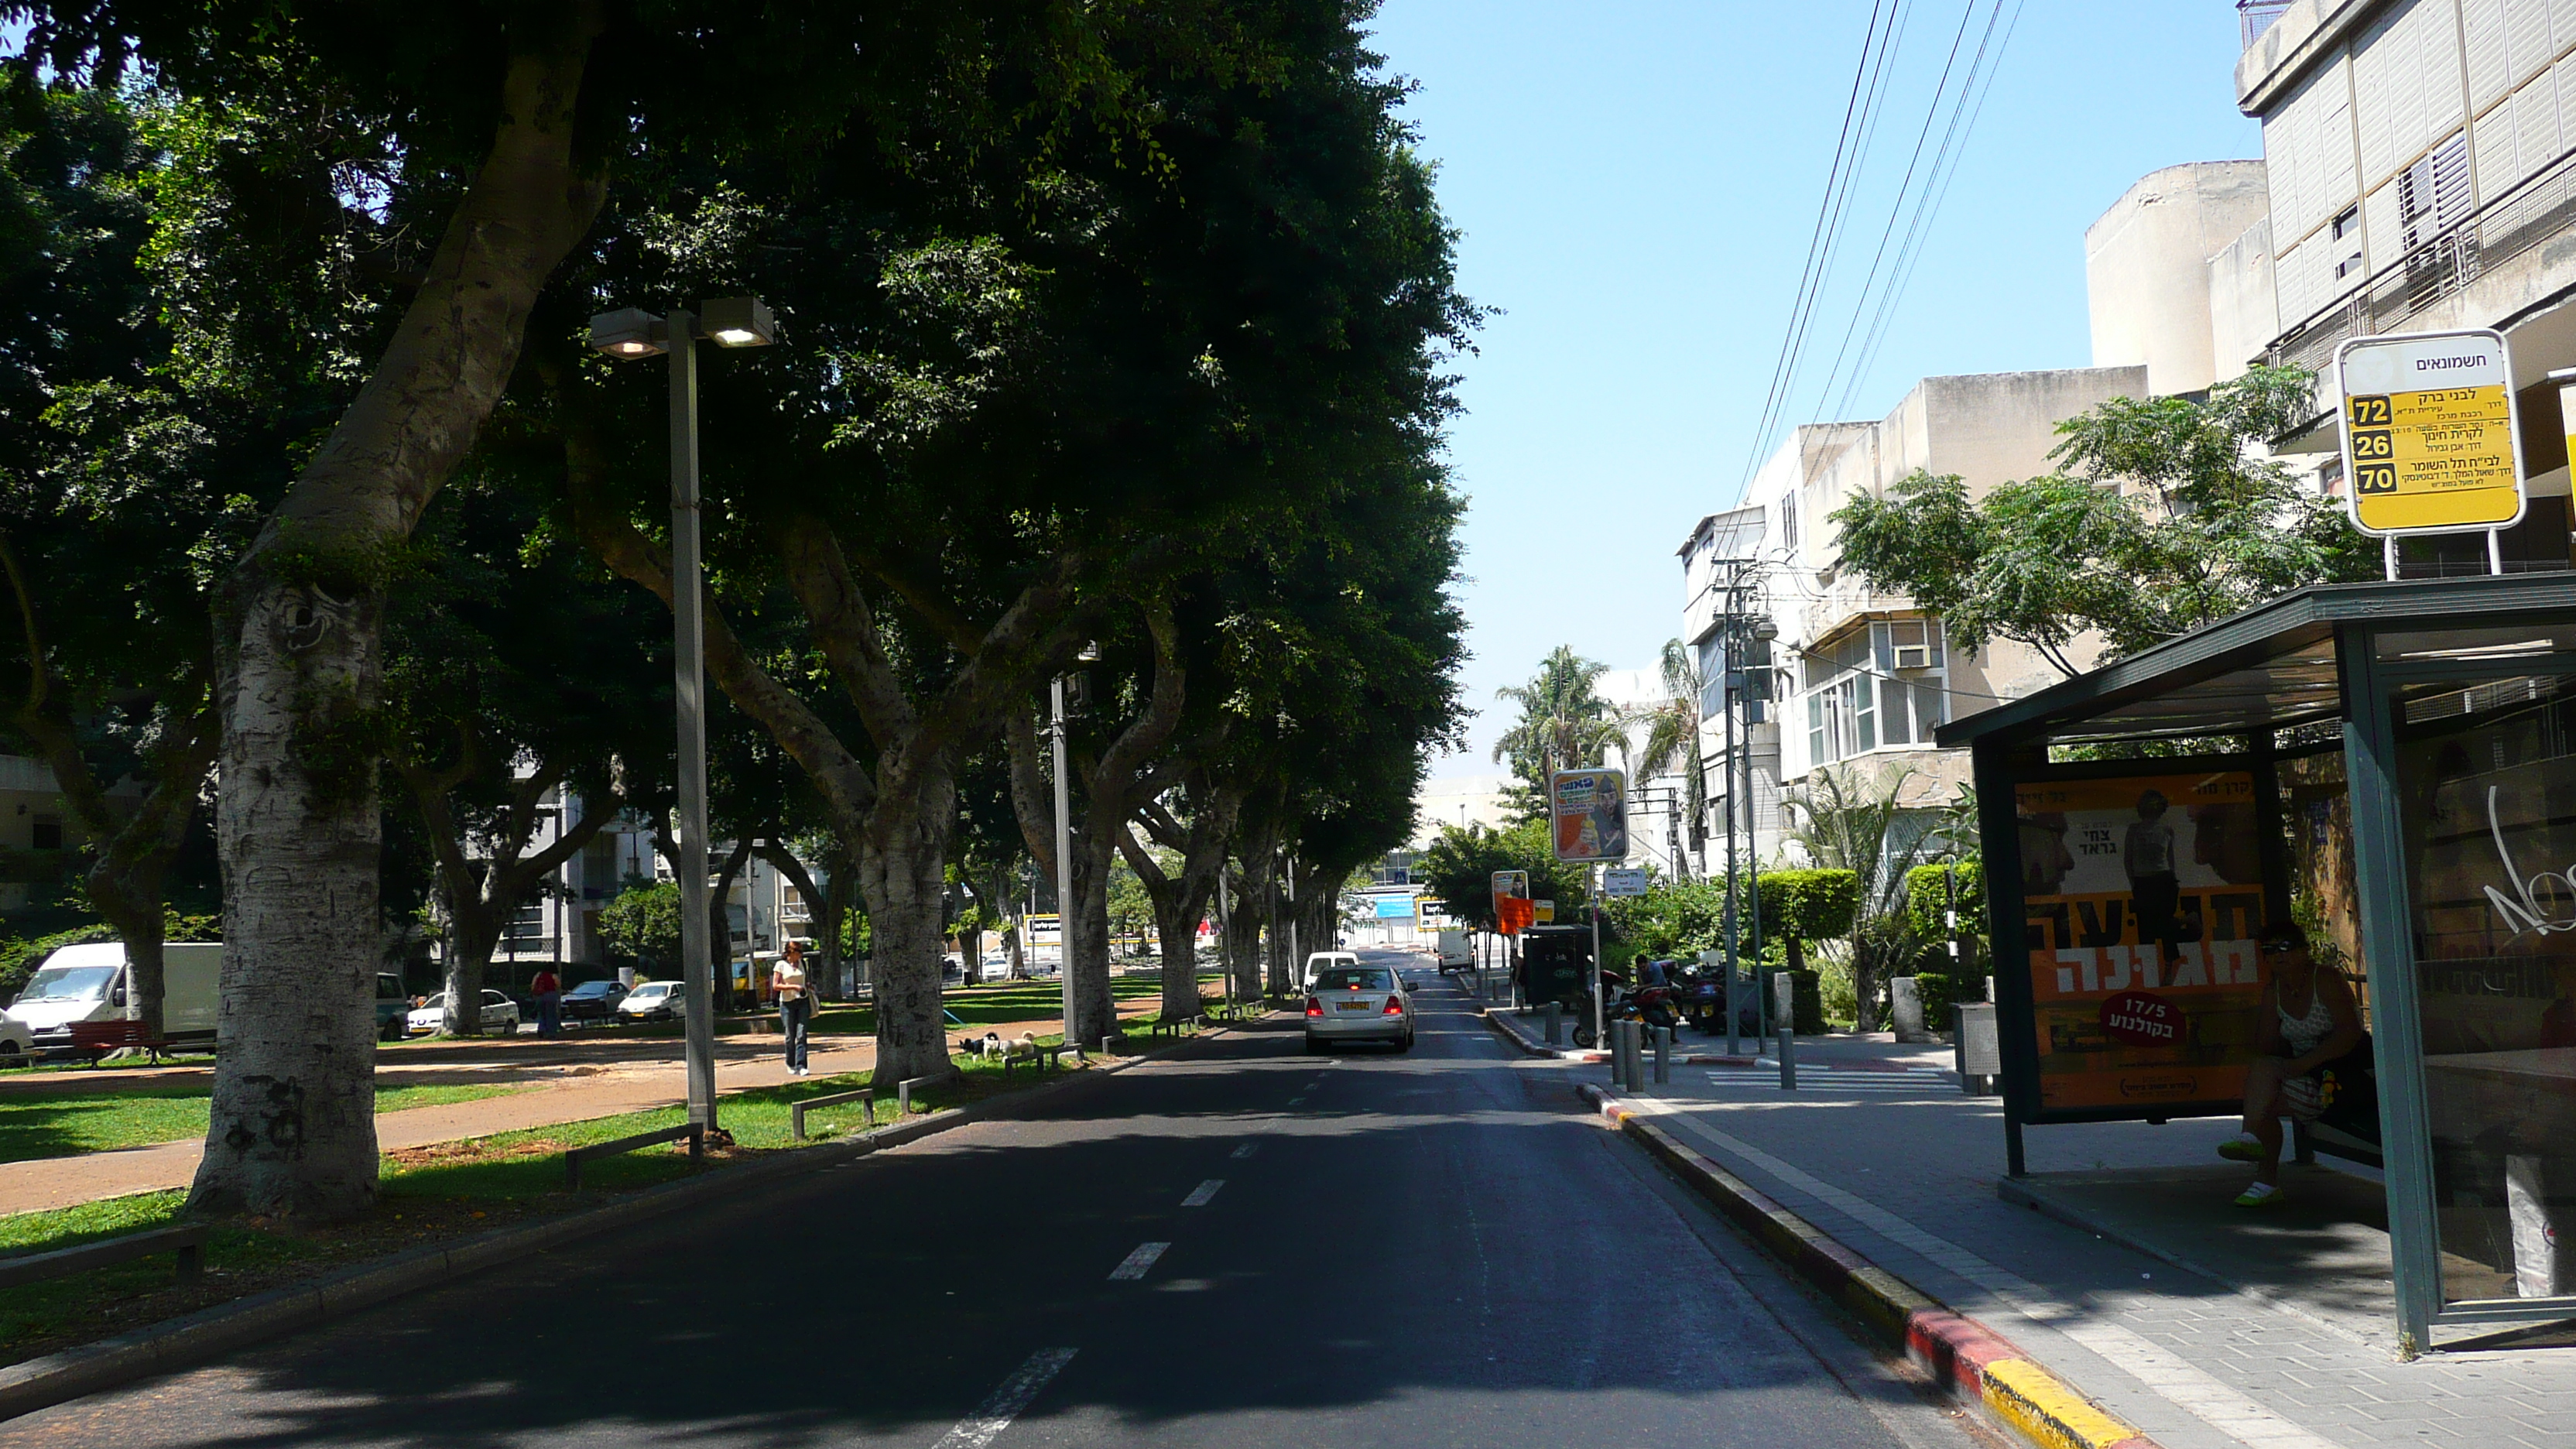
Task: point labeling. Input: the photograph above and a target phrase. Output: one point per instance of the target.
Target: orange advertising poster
(2141, 897)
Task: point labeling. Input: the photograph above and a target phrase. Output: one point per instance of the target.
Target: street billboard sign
(1625, 881)
(1589, 810)
(1513, 909)
(2141, 896)
(2430, 432)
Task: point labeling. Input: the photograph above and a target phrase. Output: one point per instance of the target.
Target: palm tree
(1671, 743)
(1842, 824)
(1564, 724)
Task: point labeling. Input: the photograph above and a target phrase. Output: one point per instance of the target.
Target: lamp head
(1765, 629)
(1089, 653)
(737, 322)
(629, 332)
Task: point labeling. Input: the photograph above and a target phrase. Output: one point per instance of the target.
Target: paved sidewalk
(572, 1086)
(1906, 1175)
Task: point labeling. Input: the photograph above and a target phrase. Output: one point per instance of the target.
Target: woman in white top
(795, 1004)
(2308, 1020)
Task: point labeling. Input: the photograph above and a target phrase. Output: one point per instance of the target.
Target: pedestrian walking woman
(795, 1004)
(547, 989)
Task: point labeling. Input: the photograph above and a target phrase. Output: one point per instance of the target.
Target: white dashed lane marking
(1135, 1264)
(996, 1413)
(1204, 1193)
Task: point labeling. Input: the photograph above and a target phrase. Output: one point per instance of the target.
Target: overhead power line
(1876, 39)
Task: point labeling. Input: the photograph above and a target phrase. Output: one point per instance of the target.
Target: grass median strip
(447, 1190)
(37, 1125)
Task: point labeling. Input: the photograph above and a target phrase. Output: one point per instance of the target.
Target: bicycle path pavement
(1887, 1157)
(575, 1092)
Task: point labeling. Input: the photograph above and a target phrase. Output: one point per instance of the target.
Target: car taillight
(1314, 1007)
(1394, 1006)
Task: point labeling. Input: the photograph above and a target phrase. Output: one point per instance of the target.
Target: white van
(1457, 953)
(86, 983)
(1323, 961)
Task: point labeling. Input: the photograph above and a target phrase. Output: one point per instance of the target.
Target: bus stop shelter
(2394, 762)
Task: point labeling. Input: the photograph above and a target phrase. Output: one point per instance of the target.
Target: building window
(47, 833)
(527, 930)
(1881, 687)
(1789, 521)
(2347, 241)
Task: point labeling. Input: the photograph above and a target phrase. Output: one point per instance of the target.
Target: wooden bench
(188, 1241)
(695, 1132)
(866, 1097)
(1044, 1058)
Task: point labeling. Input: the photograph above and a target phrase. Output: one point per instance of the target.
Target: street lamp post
(1064, 844)
(629, 334)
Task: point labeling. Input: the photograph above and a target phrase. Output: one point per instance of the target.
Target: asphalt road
(1363, 1249)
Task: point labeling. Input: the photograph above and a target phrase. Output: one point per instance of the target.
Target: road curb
(176, 1343)
(1510, 1031)
(1977, 1364)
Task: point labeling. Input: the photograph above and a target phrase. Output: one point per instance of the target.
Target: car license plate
(1354, 1005)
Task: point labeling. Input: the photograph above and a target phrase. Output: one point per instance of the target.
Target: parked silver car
(1358, 1003)
(500, 1013)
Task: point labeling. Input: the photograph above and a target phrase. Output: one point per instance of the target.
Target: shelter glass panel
(2486, 774)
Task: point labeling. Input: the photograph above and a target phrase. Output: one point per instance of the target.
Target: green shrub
(1810, 905)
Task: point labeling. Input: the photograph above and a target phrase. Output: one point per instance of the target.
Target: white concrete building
(1859, 679)
(2421, 161)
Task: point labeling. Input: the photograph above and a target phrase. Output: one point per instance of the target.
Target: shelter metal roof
(2275, 665)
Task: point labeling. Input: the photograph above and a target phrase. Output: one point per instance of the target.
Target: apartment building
(1858, 679)
(2421, 160)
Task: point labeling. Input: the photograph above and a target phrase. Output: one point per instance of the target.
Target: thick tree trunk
(1095, 1005)
(131, 901)
(474, 933)
(1242, 939)
(903, 866)
(836, 910)
(293, 1126)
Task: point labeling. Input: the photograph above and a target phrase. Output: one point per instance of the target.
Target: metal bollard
(1663, 1055)
(1633, 1037)
(1555, 1016)
(1785, 1013)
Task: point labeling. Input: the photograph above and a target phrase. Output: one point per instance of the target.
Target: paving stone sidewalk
(1906, 1175)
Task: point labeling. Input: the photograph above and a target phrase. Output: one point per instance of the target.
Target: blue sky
(1637, 182)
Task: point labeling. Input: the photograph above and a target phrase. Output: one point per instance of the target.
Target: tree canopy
(2164, 514)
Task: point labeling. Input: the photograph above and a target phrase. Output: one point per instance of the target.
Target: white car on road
(1358, 1003)
(1323, 961)
(500, 1014)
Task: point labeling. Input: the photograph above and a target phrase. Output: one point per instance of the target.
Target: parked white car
(17, 1040)
(653, 1001)
(500, 1013)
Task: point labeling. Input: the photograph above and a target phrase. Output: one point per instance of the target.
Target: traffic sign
(2430, 432)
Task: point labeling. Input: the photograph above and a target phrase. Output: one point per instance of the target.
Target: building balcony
(2486, 271)
(2253, 17)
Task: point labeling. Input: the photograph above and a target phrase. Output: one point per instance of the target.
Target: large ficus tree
(1034, 388)
(435, 165)
(2164, 514)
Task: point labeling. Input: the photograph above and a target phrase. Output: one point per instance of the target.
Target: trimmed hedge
(1941, 991)
(1809, 905)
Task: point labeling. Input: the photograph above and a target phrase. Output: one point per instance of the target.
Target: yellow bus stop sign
(2429, 432)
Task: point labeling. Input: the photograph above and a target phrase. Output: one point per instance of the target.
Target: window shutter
(2490, 75)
